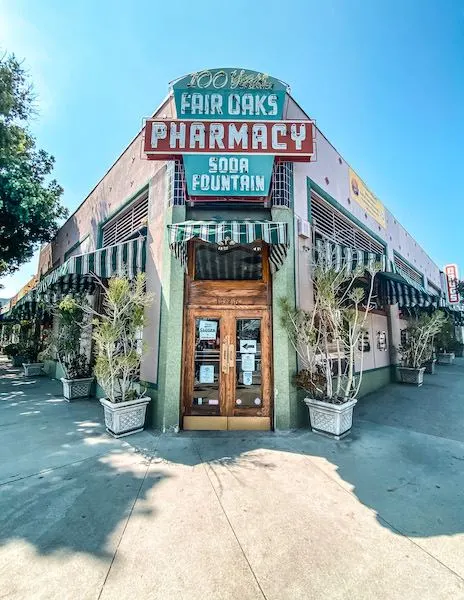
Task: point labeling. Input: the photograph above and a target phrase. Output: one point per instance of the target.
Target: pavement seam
(415, 431)
(401, 533)
(228, 520)
(127, 522)
(51, 469)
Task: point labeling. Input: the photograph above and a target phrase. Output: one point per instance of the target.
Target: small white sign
(248, 362)
(207, 330)
(213, 402)
(207, 374)
(247, 378)
(248, 346)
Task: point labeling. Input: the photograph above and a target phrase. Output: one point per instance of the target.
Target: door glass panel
(205, 400)
(248, 390)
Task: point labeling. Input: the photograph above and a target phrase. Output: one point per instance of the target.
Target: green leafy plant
(11, 350)
(445, 340)
(65, 345)
(115, 332)
(417, 347)
(326, 338)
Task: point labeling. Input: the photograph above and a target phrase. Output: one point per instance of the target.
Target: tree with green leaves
(30, 207)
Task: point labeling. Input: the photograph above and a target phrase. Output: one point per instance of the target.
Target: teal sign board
(222, 94)
(235, 94)
(231, 175)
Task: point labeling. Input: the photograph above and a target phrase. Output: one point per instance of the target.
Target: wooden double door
(227, 369)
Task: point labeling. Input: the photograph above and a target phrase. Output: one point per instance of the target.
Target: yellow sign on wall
(366, 199)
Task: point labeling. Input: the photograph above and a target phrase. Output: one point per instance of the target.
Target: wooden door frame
(227, 319)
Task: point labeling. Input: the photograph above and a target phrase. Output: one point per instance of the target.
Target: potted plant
(327, 341)
(12, 352)
(118, 354)
(445, 342)
(417, 347)
(431, 362)
(66, 346)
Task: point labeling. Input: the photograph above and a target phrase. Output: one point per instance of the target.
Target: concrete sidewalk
(233, 515)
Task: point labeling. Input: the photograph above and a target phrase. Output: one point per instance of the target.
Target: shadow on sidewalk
(413, 482)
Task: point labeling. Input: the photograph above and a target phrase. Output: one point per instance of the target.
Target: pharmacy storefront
(230, 140)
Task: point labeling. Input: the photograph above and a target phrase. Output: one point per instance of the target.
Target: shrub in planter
(327, 341)
(11, 350)
(118, 354)
(417, 348)
(66, 347)
(446, 343)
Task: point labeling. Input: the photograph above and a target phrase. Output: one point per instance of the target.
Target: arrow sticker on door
(248, 346)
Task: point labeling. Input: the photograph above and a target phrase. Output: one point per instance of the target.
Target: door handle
(231, 356)
(225, 355)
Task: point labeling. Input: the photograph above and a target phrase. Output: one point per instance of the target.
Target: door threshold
(226, 423)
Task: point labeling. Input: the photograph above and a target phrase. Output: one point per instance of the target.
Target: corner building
(223, 198)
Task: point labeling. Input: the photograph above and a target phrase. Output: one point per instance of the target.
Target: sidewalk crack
(205, 464)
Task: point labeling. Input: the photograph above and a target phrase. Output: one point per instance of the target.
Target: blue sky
(383, 80)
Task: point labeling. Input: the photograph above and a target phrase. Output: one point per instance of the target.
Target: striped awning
(231, 232)
(408, 296)
(404, 290)
(76, 273)
(339, 257)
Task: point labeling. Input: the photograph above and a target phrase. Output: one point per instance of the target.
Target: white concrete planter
(33, 369)
(446, 358)
(411, 376)
(76, 388)
(124, 418)
(334, 420)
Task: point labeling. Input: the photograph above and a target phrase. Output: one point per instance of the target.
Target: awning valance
(76, 273)
(235, 232)
(404, 290)
(126, 258)
(341, 257)
(408, 296)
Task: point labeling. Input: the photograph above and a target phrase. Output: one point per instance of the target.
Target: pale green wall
(165, 409)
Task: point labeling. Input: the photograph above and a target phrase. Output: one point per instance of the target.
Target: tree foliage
(30, 207)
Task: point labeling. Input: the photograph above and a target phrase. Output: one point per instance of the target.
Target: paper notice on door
(248, 362)
(248, 346)
(207, 330)
(207, 374)
(247, 378)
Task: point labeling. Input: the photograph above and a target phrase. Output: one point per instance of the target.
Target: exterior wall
(129, 174)
(331, 173)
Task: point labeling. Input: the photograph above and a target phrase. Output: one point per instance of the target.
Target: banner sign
(360, 193)
(168, 138)
(229, 128)
(451, 273)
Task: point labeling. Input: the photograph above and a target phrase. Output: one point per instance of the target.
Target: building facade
(222, 199)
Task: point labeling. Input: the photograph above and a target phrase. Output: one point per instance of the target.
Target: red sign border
(161, 155)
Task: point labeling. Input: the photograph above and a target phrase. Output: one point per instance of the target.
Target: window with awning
(226, 233)
(76, 273)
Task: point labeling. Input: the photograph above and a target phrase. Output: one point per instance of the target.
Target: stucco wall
(331, 172)
(125, 177)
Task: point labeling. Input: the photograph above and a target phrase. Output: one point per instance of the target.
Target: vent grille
(126, 224)
(412, 273)
(331, 224)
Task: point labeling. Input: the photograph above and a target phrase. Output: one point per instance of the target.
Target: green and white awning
(231, 232)
(409, 296)
(403, 290)
(339, 257)
(126, 258)
(76, 273)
